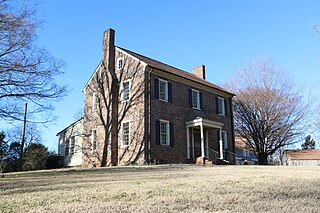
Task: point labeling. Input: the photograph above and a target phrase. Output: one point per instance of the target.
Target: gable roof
(310, 154)
(172, 70)
(70, 126)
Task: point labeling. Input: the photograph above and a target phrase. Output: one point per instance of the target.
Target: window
(67, 148)
(120, 63)
(246, 153)
(164, 133)
(195, 99)
(224, 139)
(95, 101)
(126, 134)
(94, 140)
(72, 142)
(163, 90)
(126, 91)
(221, 106)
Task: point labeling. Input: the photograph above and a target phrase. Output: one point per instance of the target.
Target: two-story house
(139, 110)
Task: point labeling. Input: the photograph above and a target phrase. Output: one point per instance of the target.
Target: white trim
(207, 142)
(122, 64)
(188, 143)
(226, 138)
(205, 122)
(128, 54)
(94, 101)
(167, 133)
(220, 145)
(122, 138)
(127, 81)
(223, 106)
(166, 90)
(92, 141)
(202, 140)
(198, 98)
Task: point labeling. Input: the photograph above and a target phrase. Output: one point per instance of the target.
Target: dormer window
(120, 63)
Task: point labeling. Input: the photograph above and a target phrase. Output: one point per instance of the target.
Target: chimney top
(199, 71)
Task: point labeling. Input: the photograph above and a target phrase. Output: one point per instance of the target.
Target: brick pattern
(178, 112)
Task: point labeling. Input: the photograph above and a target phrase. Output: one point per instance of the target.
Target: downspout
(232, 127)
(149, 115)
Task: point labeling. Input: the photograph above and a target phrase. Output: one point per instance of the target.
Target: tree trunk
(262, 159)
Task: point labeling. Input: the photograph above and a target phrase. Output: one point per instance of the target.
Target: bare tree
(108, 105)
(109, 99)
(26, 71)
(268, 108)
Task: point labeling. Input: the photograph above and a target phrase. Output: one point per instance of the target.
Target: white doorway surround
(204, 143)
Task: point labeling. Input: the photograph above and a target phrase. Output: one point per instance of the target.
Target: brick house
(139, 110)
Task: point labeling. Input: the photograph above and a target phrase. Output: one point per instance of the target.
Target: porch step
(203, 160)
(223, 162)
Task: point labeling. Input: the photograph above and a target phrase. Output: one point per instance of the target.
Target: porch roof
(204, 122)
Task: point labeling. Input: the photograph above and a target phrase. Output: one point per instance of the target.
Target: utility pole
(23, 135)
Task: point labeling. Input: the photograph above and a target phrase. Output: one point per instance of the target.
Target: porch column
(207, 142)
(192, 141)
(188, 144)
(202, 140)
(220, 145)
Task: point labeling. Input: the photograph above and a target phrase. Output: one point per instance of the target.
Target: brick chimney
(108, 58)
(108, 49)
(199, 71)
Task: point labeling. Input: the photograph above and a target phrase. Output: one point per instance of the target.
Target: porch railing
(213, 155)
(229, 156)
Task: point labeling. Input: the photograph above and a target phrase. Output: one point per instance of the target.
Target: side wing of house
(70, 144)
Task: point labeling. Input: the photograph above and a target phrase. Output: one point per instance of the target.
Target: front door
(196, 143)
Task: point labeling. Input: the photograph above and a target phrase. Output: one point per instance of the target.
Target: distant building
(310, 157)
(245, 156)
(70, 144)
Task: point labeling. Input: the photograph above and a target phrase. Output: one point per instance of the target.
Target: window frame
(67, 148)
(123, 90)
(123, 136)
(198, 99)
(120, 66)
(221, 111)
(166, 92)
(224, 138)
(93, 140)
(167, 136)
(94, 101)
(72, 145)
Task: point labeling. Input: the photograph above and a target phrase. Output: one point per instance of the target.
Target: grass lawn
(164, 188)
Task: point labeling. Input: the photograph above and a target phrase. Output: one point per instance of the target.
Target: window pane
(221, 106)
(94, 139)
(126, 133)
(67, 148)
(72, 145)
(195, 99)
(126, 91)
(163, 90)
(163, 133)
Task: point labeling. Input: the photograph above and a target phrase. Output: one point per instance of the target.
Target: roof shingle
(172, 70)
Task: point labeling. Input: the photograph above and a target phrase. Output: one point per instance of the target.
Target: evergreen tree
(308, 143)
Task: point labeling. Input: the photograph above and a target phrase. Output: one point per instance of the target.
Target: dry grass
(176, 188)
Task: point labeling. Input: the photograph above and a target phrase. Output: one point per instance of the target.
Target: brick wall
(178, 112)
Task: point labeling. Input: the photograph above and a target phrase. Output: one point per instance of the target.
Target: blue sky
(223, 35)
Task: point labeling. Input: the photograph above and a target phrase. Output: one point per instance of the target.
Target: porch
(206, 142)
